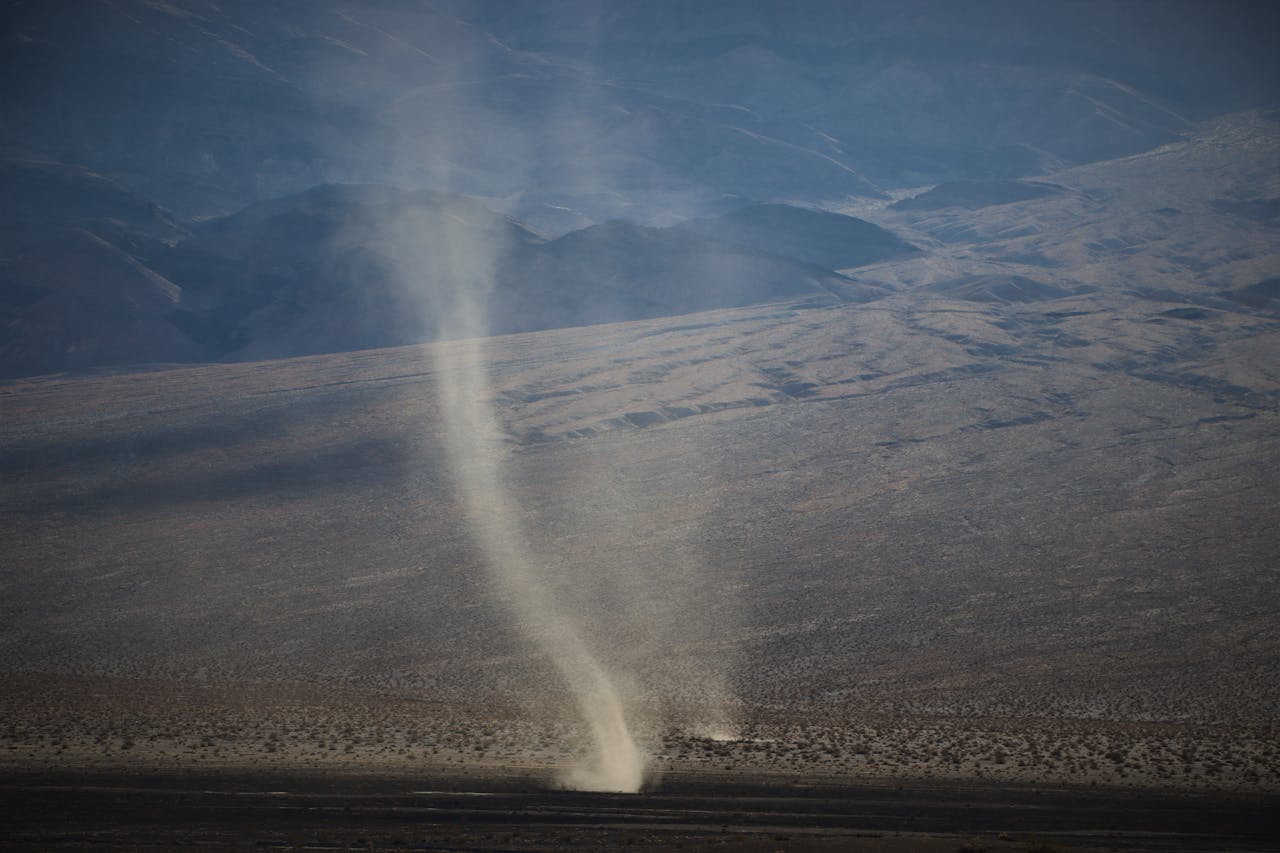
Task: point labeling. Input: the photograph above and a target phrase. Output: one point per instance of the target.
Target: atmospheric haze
(601, 621)
(457, 271)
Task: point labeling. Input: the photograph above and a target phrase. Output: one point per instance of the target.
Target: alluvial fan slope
(923, 501)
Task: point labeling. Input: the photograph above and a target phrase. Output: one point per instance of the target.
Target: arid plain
(1012, 522)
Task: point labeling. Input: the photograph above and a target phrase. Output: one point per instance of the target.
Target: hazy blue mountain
(319, 272)
(568, 113)
(76, 285)
(921, 91)
(348, 267)
(621, 271)
(38, 194)
(702, 135)
(70, 300)
(818, 237)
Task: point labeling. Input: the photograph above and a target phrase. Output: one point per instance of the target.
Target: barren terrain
(1014, 522)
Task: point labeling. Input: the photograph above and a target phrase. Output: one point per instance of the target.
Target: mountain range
(573, 112)
(103, 279)
(226, 166)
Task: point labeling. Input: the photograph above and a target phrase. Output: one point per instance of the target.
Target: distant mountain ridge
(818, 237)
(571, 112)
(324, 271)
(99, 277)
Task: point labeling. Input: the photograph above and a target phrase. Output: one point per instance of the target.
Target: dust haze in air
(595, 593)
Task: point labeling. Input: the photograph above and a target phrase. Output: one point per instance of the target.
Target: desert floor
(103, 765)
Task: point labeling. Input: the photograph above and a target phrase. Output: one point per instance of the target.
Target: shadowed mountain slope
(348, 267)
(73, 301)
(41, 194)
(324, 271)
(572, 113)
(619, 271)
(818, 237)
(78, 288)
